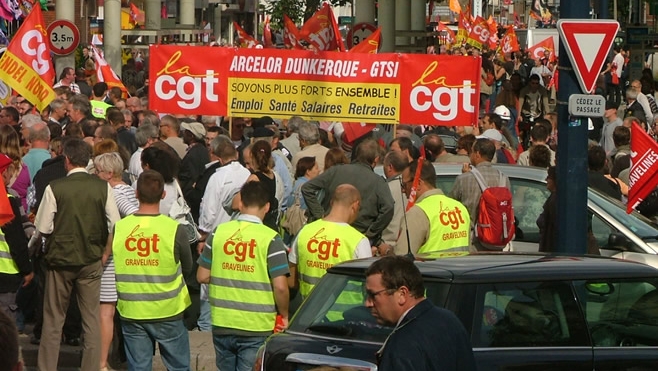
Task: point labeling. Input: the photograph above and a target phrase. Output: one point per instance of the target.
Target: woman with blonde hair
(109, 167)
(20, 178)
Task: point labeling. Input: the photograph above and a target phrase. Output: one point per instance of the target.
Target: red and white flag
(267, 34)
(644, 167)
(544, 48)
(291, 34)
(244, 39)
(105, 73)
(321, 31)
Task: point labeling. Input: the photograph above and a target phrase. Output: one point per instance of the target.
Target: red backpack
(494, 226)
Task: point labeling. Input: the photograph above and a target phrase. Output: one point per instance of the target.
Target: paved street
(201, 352)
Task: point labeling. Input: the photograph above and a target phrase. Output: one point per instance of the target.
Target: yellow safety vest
(99, 108)
(449, 224)
(7, 263)
(150, 283)
(320, 245)
(240, 290)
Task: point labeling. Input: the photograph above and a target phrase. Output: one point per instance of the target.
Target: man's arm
(281, 296)
(419, 227)
(385, 206)
(182, 251)
(46, 214)
(277, 267)
(209, 205)
(205, 262)
(311, 189)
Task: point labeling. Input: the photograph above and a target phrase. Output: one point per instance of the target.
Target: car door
(622, 319)
(529, 326)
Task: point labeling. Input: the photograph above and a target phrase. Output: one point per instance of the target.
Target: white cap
(503, 112)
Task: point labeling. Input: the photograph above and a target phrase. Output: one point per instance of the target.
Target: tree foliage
(298, 11)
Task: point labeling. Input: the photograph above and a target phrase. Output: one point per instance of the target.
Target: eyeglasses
(372, 295)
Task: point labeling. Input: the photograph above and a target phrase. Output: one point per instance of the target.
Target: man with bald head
(38, 137)
(134, 104)
(328, 241)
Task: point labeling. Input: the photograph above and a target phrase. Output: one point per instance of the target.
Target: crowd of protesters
(114, 166)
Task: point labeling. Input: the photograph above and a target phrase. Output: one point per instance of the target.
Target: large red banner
(323, 86)
(644, 167)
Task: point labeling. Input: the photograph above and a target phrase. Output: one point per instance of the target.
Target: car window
(600, 229)
(527, 315)
(622, 313)
(528, 202)
(336, 308)
(636, 222)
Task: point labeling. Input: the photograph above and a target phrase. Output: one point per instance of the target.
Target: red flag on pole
(541, 49)
(26, 65)
(267, 34)
(291, 34)
(321, 31)
(644, 167)
(414, 186)
(370, 44)
(105, 73)
(244, 39)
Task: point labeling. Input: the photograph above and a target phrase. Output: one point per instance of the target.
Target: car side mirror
(617, 241)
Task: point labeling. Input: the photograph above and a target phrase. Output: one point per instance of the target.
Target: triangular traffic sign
(587, 42)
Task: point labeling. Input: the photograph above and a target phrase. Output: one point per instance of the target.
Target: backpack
(494, 226)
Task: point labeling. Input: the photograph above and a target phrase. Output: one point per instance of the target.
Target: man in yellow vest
(244, 263)
(151, 255)
(328, 241)
(15, 265)
(436, 222)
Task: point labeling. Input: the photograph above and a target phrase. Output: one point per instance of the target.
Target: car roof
(505, 267)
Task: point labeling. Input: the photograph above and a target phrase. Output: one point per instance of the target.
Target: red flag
(244, 39)
(104, 72)
(448, 34)
(414, 187)
(370, 44)
(463, 27)
(545, 48)
(644, 167)
(355, 130)
(479, 34)
(493, 33)
(509, 43)
(517, 20)
(136, 15)
(455, 7)
(6, 212)
(267, 34)
(26, 65)
(291, 34)
(321, 31)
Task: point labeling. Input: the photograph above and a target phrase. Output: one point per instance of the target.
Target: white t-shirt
(618, 61)
(223, 184)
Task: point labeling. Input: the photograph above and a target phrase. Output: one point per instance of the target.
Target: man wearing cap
(194, 162)
(466, 188)
(169, 132)
(609, 125)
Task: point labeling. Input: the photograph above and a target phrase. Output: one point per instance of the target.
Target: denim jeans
(171, 336)
(204, 316)
(236, 353)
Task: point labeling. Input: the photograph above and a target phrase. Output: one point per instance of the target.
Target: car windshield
(636, 222)
(336, 308)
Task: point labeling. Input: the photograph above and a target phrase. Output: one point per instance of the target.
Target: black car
(523, 311)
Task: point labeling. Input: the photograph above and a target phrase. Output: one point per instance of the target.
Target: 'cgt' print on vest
(323, 247)
(240, 249)
(143, 245)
